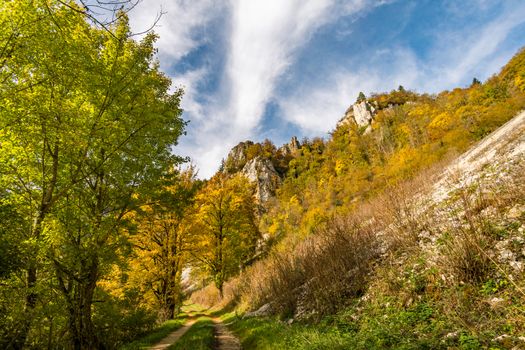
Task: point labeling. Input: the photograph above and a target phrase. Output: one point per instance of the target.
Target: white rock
(516, 265)
(451, 335)
(506, 255)
(363, 113)
(516, 211)
(264, 310)
(261, 172)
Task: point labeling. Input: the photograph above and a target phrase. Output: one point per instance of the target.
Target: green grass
(268, 333)
(199, 337)
(156, 334)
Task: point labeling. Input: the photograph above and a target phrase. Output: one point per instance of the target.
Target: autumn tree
(86, 124)
(162, 242)
(225, 227)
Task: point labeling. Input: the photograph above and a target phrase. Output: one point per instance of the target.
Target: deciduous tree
(225, 229)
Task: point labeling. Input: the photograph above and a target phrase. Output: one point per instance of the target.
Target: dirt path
(174, 336)
(225, 339)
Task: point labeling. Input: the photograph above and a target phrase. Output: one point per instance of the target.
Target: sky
(257, 69)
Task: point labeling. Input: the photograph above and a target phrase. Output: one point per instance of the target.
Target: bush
(320, 275)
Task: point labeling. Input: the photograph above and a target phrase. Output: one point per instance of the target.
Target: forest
(105, 233)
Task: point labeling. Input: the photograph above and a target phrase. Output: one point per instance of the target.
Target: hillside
(439, 260)
(409, 247)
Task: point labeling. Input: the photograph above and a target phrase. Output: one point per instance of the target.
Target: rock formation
(262, 173)
(237, 157)
(292, 148)
(362, 113)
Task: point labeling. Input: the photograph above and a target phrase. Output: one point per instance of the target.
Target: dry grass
(471, 228)
(319, 276)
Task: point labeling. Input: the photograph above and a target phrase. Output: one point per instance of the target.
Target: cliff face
(361, 113)
(262, 173)
(262, 165)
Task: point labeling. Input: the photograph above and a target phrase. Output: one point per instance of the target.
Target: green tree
(86, 124)
(361, 97)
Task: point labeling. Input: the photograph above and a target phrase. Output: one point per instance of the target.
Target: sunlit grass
(199, 337)
(156, 334)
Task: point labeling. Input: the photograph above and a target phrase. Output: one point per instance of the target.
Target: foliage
(161, 243)
(224, 227)
(410, 132)
(86, 125)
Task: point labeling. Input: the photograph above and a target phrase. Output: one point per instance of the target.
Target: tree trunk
(43, 210)
(81, 328)
(31, 279)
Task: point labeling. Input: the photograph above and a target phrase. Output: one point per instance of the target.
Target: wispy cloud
(261, 40)
(316, 108)
(459, 55)
(179, 24)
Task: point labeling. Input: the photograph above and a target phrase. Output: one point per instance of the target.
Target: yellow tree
(160, 245)
(224, 227)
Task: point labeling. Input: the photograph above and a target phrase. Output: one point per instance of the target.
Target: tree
(161, 244)
(361, 97)
(86, 124)
(475, 82)
(225, 227)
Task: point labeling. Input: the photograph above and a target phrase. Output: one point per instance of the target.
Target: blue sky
(255, 69)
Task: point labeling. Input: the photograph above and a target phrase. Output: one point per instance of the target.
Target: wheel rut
(173, 336)
(224, 338)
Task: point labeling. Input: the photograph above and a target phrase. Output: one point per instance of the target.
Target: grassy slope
(270, 333)
(415, 300)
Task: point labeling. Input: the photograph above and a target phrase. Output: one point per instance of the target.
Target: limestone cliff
(262, 165)
(262, 173)
(361, 113)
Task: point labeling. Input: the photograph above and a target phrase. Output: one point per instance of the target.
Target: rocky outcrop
(265, 310)
(249, 159)
(361, 113)
(262, 173)
(237, 157)
(292, 148)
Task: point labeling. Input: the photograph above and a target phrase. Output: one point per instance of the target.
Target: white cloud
(178, 24)
(265, 37)
(460, 55)
(317, 109)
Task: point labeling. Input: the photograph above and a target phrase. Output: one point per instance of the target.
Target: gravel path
(225, 339)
